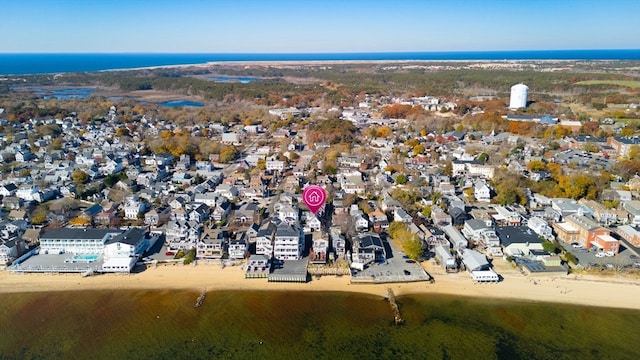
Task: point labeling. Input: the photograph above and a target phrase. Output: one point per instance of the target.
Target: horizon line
(308, 52)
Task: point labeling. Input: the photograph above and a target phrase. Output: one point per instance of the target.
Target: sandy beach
(614, 292)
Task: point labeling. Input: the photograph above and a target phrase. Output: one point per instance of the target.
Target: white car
(609, 253)
(599, 254)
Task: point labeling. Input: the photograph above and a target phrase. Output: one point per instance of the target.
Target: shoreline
(568, 289)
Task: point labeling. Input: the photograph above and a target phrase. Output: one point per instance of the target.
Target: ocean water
(38, 63)
(305, 325)
(178, 103)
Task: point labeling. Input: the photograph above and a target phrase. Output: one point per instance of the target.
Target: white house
(288, 242)
(482, 191)
(264, 239)
(540, 227)
(133, 207)
(275, 165)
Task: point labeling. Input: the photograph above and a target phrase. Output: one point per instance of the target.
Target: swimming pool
(86, 257)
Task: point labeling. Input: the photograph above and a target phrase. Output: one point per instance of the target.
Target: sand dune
(579, 290)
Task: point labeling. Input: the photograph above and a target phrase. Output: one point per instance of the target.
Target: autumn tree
(79, 176)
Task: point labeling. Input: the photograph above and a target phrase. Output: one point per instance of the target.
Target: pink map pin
(314, 197)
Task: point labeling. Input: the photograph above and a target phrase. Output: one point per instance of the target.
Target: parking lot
(587, 258)
(397, 268)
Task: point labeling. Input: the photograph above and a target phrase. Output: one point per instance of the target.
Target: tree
(483, 157)
(419, 149)
(401, 179)
(79, 176)
(228, 153)
(448, 168)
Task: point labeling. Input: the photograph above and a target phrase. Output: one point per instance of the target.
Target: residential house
(198, 213)
(600, 213)
(367, 248)
(507, 216)
(8, 189)
(482, 191)
(11, 249)
(519, 241)
(264, 239)
(288, 243)
(287, 213)
(312, 223)
(456, 238)
(540, 227)
(360, 221)
(212, 246)
(247, 213)
(400, 215)
(238, 248)
(220, 209)
(228, 191)
(439, 217)
(133, 206)
(338, 242)
(379, 220)
(319, 249)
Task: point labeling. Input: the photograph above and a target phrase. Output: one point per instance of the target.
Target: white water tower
(519, 93)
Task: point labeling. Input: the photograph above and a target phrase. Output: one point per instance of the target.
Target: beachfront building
(121, 252)
(76, 241)
(288, 242)
(264, 239)
(589, 233)
(367, 248)
(478, 266)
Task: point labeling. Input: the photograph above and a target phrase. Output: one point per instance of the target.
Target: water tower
(519, 94)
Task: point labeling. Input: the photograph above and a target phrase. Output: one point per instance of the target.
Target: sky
(301, 26)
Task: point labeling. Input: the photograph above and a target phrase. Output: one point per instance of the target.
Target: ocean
(39, 63)
(145, 324)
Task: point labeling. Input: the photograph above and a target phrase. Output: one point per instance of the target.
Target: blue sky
(248, 26)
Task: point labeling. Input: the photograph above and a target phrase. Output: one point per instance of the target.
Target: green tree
(419, 149)
(483, 157)
(401, 179)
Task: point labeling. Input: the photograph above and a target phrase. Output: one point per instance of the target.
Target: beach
(611, 292)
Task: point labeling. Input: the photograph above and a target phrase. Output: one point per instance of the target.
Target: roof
(285, 229)
(517, 235)
(370, 240)
(476, 224)
(81, 234)
(474, 260)
(132, 237)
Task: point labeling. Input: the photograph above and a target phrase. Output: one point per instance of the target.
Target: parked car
(407, 272)
(575, 245)
(599, 254)
(169, 253)
(633, 257)
(609, 253)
